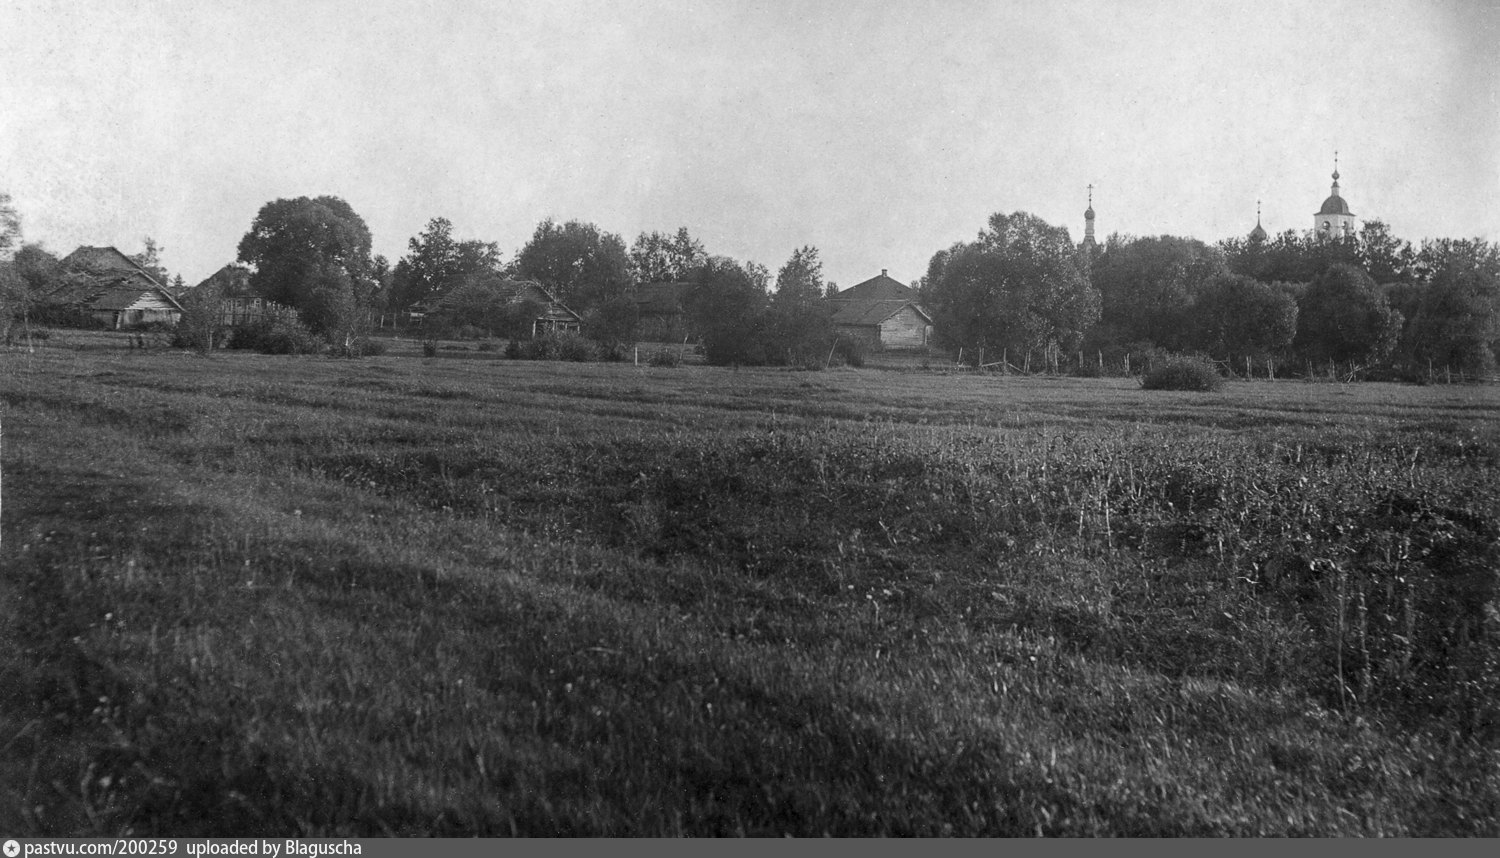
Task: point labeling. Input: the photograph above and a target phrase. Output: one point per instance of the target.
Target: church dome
(1088, 214)
(1258, 234)
(1335, 205)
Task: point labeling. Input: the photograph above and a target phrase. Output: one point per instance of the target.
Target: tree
(1147, 287)
(800, 280)
(1237, 317)
(150, 260)
(612, 324)
(724, 306)
(656, 257)
(311, 254)
(487, 301)
(201, 325)
(1384, 257)
(436, 264)
(10, 226)
(34, 270)
(1345, 318)
(1017, 287)
(1457, 321)
(37, 266)
(581, 264)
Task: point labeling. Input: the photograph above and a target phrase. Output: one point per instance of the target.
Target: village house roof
(103, 278)
(881, 288)
(233, 281)
(868, 313)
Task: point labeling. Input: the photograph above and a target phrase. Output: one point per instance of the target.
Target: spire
(1259, 233)
(1088, 219)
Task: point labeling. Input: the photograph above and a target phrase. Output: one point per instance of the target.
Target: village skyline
(879, 135)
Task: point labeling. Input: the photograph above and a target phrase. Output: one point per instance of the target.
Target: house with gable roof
(883, 311)
(107, 285)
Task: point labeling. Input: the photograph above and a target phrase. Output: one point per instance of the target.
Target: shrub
(1183, 372)
(665, 357)
(851, 349)
(275, 335)
(575, 347)
(513, 350)
(429, 348)
(366, 347)
(489, 346)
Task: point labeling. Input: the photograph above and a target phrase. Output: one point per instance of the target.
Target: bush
(1183, 372)
(429, 348)
(275, 335)
(363, 347)
(489, 346)
(851, 349)
(513, 350)
(665, 357)
(558, 346)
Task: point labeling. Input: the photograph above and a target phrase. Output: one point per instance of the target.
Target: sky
(878, 132)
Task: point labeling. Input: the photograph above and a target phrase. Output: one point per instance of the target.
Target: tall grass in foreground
(265, 595)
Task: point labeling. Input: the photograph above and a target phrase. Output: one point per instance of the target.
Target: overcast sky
(879, 132)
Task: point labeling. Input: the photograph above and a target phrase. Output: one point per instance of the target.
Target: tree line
(1021, 293)
(1369, 305)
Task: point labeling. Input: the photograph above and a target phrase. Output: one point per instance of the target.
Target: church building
(1334, 220)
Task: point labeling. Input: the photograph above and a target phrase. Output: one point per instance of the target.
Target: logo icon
(12, 849)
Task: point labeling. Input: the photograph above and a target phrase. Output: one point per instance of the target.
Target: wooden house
(107, 285)
(882, 311)
(239, 304)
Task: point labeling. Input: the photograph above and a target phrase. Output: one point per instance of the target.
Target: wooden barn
(883, 311)
(109, 286)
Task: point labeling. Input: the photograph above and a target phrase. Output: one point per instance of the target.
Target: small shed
(109, 286)
(883, 311)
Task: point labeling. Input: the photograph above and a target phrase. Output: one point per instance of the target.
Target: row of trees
(1022, 290)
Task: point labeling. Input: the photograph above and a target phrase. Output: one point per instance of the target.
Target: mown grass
(255, 595)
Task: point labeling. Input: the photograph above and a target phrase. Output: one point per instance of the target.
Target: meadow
(406, 595)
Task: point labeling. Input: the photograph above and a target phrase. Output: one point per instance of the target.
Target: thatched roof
(103, 278)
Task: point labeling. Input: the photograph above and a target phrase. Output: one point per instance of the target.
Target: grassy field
(404, 595)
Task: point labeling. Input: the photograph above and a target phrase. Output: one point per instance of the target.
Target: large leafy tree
(312, 254)
(1017, 287)
(1237, 317)
(436, 264)
(725, 307)
(1344, 317)
(583, 265)
(1147, 287)
(658, 257)
(1457, 322)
